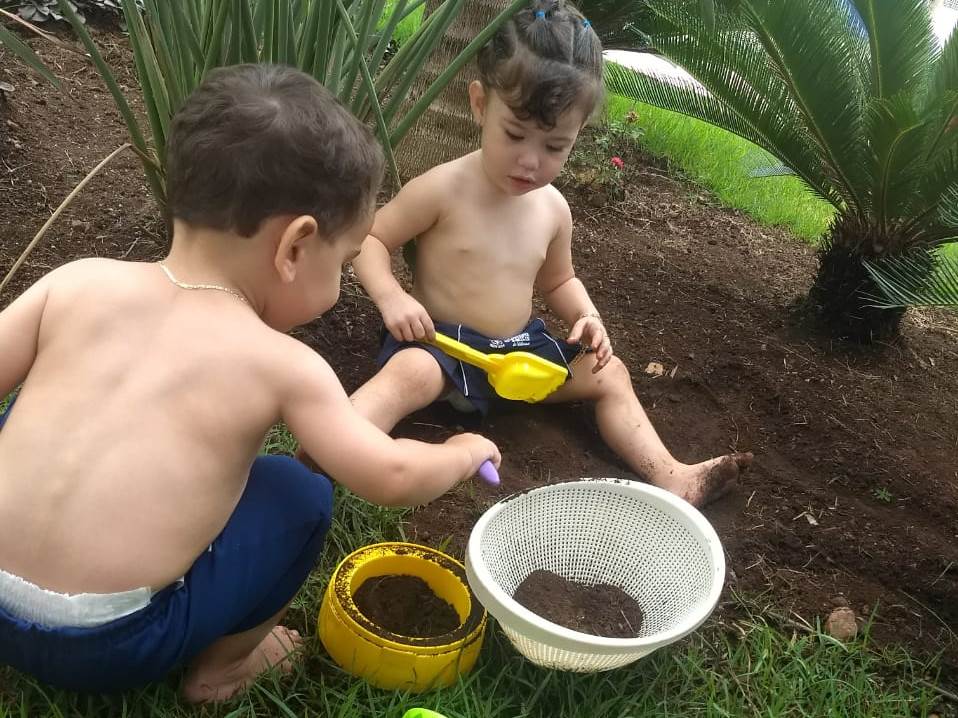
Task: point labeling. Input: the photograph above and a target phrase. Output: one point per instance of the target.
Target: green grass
(406, 28)
(721, 162)
(728, 669)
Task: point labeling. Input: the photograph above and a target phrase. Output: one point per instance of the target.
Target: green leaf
(792, 113)
(214, 50)
(921, 278)
(942, 102)
(707, 8)
(133, 127)
(808, 45)
(901, 42)
(368, 82)
(26, 55)
(749, 117)
(897, 135)
(948, 207)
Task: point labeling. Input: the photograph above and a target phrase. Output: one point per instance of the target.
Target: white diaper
(29, 602)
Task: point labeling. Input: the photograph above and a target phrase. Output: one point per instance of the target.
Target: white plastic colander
(658, 548)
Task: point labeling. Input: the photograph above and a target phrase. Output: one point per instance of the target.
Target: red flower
(617, 161)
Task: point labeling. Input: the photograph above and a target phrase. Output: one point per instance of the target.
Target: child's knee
(416, 374)
(614, 377)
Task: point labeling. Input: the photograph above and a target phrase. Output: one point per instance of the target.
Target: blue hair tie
(586, 23)
(540, 14)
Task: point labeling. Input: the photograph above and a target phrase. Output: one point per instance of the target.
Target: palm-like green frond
(921, 278)
(948, 208)
(940, 153)
(897, 134)
(761, 128)
(783, 70)
(812, 49)
(901, 42)
(943, 98)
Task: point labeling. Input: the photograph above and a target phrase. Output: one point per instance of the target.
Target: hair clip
(540, 14)
(586, 23)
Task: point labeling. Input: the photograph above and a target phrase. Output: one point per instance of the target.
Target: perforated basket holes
(551, 657)
(589, 534)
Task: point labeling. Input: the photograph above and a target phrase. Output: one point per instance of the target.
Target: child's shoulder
(554, 204)
(94, 272)
(448, 179)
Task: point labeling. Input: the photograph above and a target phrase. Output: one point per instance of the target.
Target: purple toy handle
(488, 473)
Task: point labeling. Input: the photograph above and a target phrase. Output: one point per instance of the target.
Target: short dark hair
(255, 141)
(544, 60)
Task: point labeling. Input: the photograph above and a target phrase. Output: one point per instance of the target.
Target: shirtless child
(138, 528)
(492, 229)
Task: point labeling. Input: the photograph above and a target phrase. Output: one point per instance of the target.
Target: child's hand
(590, 332)
(406, 319)
(480, 449)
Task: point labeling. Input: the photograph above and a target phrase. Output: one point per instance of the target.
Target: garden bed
(853, 497)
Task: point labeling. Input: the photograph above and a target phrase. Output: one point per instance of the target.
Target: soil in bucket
(600, 610)
(406, 606)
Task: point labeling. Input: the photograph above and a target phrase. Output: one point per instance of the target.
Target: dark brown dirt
(853, 494)
(406, 606)
(600, 610)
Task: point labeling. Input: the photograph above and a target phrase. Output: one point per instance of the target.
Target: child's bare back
(122, 354)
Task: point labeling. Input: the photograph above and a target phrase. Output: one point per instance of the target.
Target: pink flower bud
(617, 161)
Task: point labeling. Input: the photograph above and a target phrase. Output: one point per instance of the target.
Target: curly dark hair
(255, 141)
(543, 61)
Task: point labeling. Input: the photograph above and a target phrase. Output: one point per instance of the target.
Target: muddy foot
(701, 484)
(278, 650)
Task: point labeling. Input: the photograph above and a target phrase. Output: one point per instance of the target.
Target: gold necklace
(184, 285)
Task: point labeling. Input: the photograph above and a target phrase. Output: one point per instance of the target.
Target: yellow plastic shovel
(520, 376)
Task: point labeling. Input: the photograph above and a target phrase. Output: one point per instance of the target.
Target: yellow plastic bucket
(388, 660)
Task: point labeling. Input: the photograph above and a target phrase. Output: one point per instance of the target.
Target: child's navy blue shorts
(472, 381)
(252, 569)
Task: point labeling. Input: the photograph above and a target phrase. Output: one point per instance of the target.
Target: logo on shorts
(519, 340)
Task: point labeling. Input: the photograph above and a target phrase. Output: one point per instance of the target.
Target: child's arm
(361, 457)
(19, 335)
(410, 213)
(565, 294)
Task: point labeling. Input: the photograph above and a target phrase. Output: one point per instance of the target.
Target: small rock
(713, 241)
(78, 224)
(841, 624)
(6, 87)
(839, 601)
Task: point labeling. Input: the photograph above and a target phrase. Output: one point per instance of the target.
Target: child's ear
(477, 101)
(292, 247)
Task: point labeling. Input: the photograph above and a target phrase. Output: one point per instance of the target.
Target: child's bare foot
(206, 684)
(700, 484)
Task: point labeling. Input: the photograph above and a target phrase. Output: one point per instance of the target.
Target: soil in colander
(406, 606)
(600, 610)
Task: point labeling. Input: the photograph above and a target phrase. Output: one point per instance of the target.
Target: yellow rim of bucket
(342, 601)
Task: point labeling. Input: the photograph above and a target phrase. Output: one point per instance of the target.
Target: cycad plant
(345, 44)
(905, 281)
(855, 98)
